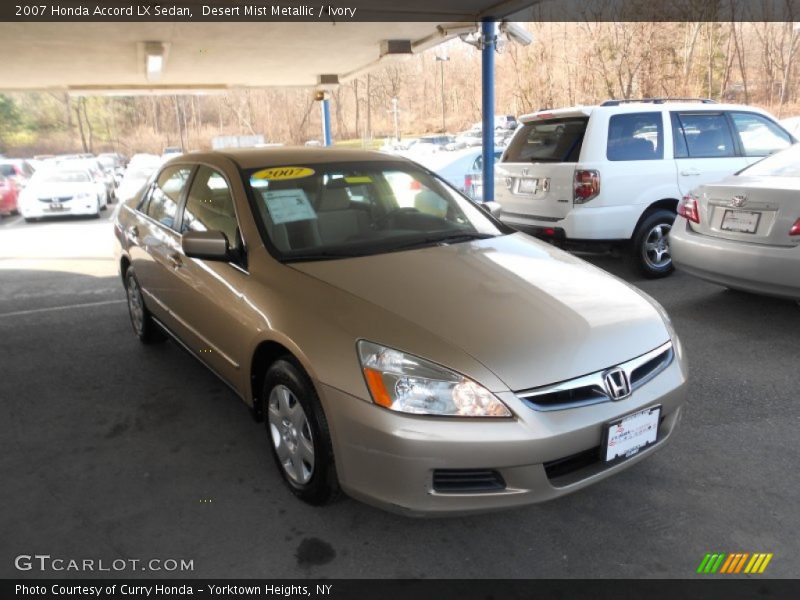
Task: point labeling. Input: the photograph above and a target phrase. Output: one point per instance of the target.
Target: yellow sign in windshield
(282, 173)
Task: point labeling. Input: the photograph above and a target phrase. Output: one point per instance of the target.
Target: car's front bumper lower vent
(467, 481)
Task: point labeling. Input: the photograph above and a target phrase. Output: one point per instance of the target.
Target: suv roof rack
(657, 101)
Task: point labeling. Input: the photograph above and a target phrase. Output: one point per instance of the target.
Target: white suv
(613, 173)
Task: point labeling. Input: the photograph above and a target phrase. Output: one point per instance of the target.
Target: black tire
(289, 433)
(142, 322)
(650, 245)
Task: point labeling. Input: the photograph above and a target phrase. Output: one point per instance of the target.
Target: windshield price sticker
(287, 206)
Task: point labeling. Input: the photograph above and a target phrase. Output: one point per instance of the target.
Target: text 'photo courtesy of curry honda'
(400, 343)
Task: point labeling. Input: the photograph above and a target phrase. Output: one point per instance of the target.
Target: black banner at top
(440, 11)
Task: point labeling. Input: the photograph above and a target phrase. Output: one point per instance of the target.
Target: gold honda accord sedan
(401, 344)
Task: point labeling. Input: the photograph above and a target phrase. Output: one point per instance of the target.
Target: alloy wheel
(291, 434)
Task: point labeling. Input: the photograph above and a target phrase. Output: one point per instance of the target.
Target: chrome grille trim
(590, 389)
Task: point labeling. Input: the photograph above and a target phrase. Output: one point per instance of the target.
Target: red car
(8, 196)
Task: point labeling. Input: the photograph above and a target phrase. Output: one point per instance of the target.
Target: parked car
(463, 169)
(18, 170)
(63, 190)
(8, 196)
(613, 174)
(792, 125)
(744, 232)
(98, 173)
(136, 175)
(425, 359)
(427, 145)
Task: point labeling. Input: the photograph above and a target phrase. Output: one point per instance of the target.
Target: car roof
(251, 158)
(634, 107)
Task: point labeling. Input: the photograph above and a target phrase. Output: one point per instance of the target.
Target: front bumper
(39, 210)
(388, 459)
(759, 268)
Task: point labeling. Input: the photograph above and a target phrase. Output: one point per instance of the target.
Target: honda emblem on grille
(738, 201)
(617, 384)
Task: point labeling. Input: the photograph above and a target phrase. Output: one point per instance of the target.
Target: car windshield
(336, 210)
(781, 164)
(59, 176)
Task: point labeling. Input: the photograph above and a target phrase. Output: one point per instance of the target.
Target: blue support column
(489, 34)
(326, 122)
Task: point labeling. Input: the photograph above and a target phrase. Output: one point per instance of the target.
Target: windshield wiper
(453, 238)
(324, 255)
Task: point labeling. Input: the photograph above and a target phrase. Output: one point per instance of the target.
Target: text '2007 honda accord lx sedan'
(401, 344)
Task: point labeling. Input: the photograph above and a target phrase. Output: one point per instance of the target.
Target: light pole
(441, 60)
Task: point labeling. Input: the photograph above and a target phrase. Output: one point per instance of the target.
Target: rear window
(551, 140)
(635, 136)
(781, 164)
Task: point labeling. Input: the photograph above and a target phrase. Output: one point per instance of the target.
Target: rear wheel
(298, 433)
(142, 322)
(651, 250)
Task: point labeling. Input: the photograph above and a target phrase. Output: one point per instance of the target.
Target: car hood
(60, 190)
(529, 312)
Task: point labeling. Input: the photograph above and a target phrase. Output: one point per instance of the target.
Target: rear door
(534, 178)
(157, 242)
(705, 149)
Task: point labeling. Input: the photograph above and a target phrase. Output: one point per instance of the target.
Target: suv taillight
(688, 209)
(795, 230)
(468, 183)
(586, 185)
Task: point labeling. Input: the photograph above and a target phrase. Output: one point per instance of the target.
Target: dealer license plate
(740, 221)
(56, 206)
(527, 185)
(629, 435)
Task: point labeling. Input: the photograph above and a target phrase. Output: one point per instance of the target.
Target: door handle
(175, 260)
(133, 231)
(690, 172)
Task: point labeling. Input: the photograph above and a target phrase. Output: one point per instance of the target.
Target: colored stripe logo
(737, 562)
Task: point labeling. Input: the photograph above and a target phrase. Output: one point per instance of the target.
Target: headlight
(410, 384)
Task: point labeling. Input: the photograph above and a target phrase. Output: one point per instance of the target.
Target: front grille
(467, 481)
(56, 199)
(590, 389)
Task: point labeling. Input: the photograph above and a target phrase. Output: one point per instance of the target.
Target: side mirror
(206, 245)
(491, 207)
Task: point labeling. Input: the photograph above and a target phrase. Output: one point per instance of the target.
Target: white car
(61, 191)
(136, 175)
(463, 169)
(613, 174)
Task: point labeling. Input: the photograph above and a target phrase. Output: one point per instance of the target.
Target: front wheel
(143, 325)
(298, 433)
(651, 250)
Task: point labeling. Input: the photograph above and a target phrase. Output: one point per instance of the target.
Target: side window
(166, 194)
(759, 135)
(635, 136)
(705, 135)
(209, 206)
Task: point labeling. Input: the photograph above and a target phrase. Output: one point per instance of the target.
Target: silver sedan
(744, 231)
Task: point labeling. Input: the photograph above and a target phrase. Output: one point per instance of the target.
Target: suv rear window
(635, 136)
(550, 140)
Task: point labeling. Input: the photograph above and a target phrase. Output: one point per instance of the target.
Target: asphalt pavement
(115, 450)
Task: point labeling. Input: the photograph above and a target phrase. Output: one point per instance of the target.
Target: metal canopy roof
(109, 57)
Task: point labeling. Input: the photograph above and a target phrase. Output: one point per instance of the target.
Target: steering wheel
(383, 220)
